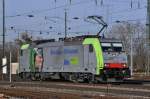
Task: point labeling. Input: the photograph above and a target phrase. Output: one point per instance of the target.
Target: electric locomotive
(77, 59)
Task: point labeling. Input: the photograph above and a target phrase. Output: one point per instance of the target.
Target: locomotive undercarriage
(78, 77)
(74, 77)
(105, 75)
(116, 74)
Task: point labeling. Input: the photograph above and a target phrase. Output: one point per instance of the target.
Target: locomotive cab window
(106, 47)
(21, 52)
(117, 47)
(40, 51)
(91, 48)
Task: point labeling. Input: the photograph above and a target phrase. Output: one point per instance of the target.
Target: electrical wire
(62, 6)
(128, 10)
(45, 10)
(28, 30)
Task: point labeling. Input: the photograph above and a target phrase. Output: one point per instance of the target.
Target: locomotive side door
(92, 58)
(86, 56)
(39, 60)
(89, 58)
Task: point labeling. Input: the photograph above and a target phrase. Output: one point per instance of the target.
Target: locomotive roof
(110, 40)
(72, 41)
(60, 43)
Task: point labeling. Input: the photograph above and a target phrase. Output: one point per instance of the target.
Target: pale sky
(17, 12)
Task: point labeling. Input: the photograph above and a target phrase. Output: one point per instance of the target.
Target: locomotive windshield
(117, 47)
(111, 53)
(113, 47)
(106, 47)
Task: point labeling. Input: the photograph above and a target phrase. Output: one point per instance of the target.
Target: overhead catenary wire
(57, 7)
(76, 26)
(78, 3)
(121, 11)
(46, 10)
(128, 10)
(43, 32)
(28, 30)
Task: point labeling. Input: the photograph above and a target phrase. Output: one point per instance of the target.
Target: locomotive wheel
(36, 76)
(73, 78)
(24, 76)
(102, 78)
(91, 79)
(32, 77)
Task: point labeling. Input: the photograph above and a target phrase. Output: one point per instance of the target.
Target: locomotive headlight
(124, 65)
(113, 54)
(106, 65)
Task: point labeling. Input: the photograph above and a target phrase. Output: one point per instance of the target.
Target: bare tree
(25, 38)
(124, 31)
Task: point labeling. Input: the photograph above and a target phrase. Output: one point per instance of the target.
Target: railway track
(123, 89)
